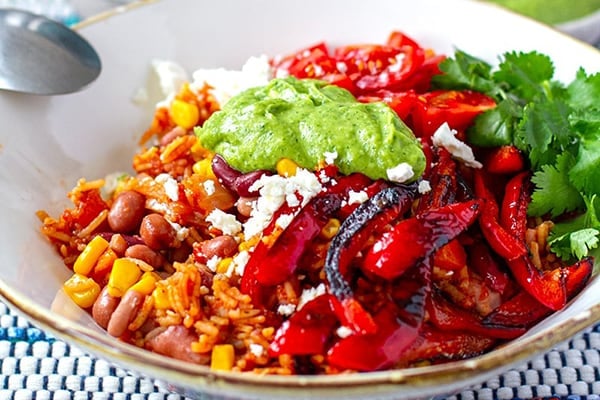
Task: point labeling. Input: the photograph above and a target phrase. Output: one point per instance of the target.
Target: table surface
(35, 365)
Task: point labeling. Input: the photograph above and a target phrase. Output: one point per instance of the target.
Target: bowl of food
(273, 199)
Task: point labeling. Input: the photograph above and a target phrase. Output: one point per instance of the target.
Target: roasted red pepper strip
(443, 182)
(523, 310)
(383, 207)
(308, 329)
(548, 287)
(398, 328)
(282, 259)
(449, 317)
(451, 257)
(482, 262)
(413, 240)
(499, 239)
(513, 213)
(434, 345)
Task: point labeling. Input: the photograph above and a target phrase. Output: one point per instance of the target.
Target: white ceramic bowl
(47, 143)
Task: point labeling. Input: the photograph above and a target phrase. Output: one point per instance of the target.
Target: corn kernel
(124, 274)
(146, 284)
(204, 168)
(161, 298)
(82, 290)
(185, 115)
(330, 229)
(223, 265)
(286, 167)
(223, 356)
(90, 255)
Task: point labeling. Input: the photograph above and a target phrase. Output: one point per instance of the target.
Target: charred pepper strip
(523, 310)
(449, 317)
(500, 240)
(383, 207)
(513, 213)
(414, 239)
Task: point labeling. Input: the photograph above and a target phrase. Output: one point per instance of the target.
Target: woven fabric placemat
(36, 366)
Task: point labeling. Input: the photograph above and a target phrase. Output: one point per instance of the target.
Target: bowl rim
(458, 373)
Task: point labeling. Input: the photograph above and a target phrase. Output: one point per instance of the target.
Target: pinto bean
(118, 244)
(221, 246)
(176, 342)
(244, 205)
(126, 211)
(124, 313)
(104, 307)
(172, 135)
(157, 232)
(146, 254)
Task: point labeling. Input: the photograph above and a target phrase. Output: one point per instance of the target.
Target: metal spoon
(42, 56)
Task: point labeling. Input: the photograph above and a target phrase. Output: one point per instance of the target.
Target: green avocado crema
(302, 119)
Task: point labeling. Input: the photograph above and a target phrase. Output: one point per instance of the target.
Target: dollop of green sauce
(302, 119)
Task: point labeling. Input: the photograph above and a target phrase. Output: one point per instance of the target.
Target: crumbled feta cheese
(257, 71)
(310, 294)
(357, 197)
(226, 223)
(284, 220)
(257, 350)
(181, 231)
(170, 184)
(286, 309)
(213, 263)
(171, 76)
(238, 263)
(424, 187)
(343, 332)
(330, 157)
(400, 173)
(209, 186)
(274, 191)
(446, 138)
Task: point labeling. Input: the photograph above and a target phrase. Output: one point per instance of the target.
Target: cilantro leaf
(584, 91)
(545, 130)
(496, 127)
(554, 194)
(585, 174)
(578, 236)
(465, 71)
(524, 73)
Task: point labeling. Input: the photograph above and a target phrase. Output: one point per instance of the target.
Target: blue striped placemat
(36, 366)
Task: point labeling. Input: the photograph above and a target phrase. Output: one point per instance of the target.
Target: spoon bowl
(42, 56)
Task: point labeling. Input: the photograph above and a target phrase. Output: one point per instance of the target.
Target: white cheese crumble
(213, 263)
(357, 197)
(310, 294)
(170, 184)
(257, 350)
(274, 191)
(181, 232)
(238, 263)
(343, 332)
(446, 138)
(209, 186)
(286, 309)
(424, 187)
(257, 71)
(226, 223)
(330, 157)
(400, 173)
(284, 220)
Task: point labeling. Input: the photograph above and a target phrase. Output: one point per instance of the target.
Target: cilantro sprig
(556, 124)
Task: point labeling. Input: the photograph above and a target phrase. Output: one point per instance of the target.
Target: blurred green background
(552, 11)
